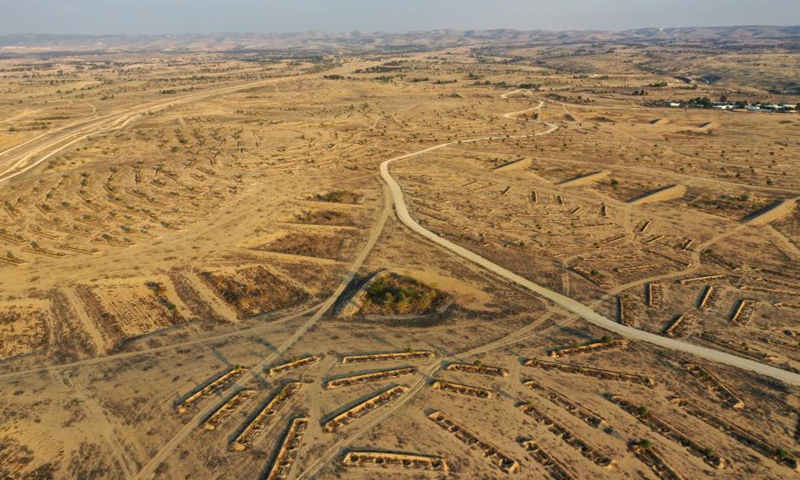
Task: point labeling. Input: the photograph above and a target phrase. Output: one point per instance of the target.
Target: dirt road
(21, 158)
(567, 303)
(148, 471)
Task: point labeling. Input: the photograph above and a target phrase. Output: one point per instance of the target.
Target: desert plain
(443, 255)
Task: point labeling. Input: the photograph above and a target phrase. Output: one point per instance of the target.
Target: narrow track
(148, 471)
(562, 301)
(427, 374)
(40, 148)
(575, 307)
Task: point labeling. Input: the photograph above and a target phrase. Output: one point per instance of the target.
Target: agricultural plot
(655, 461)
(602, 346)
(750, 440)
(505, 463)
(219, 382)
(554, 467)
(165, 219)
(339, 420)
(591, 372)
(254, 290)
(307, 245)
(306, 361)
(571, 439)
(257, 425)
(665, 429)
(287, 453)
(226, 409)
(393, 459)
(369, 377)
(24, 329)
(588, 416)
(127, 310)
(477, 369)
(390, 356)
(461, 389)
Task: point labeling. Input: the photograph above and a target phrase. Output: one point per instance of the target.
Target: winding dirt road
(24, 157)
(567, 303)
(21, 158)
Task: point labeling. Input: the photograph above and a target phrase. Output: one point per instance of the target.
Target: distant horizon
(297, 32)
(210, 17)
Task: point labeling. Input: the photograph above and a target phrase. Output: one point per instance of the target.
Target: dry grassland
(168, 219)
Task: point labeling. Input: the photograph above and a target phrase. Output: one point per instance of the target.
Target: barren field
(436, 261)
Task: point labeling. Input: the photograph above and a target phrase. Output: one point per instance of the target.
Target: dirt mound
(660, 195)
(772, 213)
(660, 121)
(520, 164)
(708, 125)
(603, 119)
(585, 179)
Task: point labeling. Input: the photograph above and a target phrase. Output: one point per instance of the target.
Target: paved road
(567, 303)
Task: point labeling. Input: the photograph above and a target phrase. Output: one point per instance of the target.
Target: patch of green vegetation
(324, 217)
(393, 294)
(337, 196)
(784, 454)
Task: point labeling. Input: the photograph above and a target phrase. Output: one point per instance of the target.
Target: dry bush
(255, 290)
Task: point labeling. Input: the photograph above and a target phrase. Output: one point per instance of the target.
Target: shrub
(784, 454)
(398, 295)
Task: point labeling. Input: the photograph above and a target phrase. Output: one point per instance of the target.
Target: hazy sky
(213, 16)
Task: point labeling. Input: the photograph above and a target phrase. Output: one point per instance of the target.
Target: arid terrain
(439, 255)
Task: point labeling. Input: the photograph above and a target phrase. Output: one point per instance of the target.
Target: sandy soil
(197, 213)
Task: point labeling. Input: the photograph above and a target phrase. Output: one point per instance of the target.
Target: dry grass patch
(322, 246)
(131, 309)
(23, 329)
(255, 290)
(338, 196)
(324, 217)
